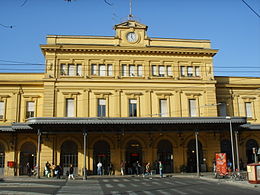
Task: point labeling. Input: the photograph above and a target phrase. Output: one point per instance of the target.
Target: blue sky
(230, 25)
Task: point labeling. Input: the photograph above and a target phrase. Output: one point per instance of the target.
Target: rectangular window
(101, 108)
(132, 70)
(190, 71)
(183, 71)
(249, 113)
(124, 70)
(63, 69)
(102, 70)
(79, 70)
(93, 69)
(154, 70)
(109, 70)
(192, 108)
(163, 108)
(30, 109)
(169, 71)
(222, 109)
(161, 71)
(139, 70)
(132, 108)
(70, 107)
(71, 71)
(2, 109)
(197, 71)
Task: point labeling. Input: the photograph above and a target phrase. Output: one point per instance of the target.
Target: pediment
(131, 24)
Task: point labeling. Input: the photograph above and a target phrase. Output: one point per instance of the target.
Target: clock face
(131, 37)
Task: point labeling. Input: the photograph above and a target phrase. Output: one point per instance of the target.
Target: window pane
(140, 70)
(197, 71)
(190, 71)
(132, 70)
(182, 70)
(93, 69)
(79, 70)
(70, 107)
(169, 71)
(71, 70)
(109, 70)
(248, 109)
(132, 108)
(124, 70)
(2, 110)
(161, 71)
(30, 109)
(101, 107)
(222, 109)
(163, 108)
(192, 107)
(102, 70)
(154, 70)
(63, 69)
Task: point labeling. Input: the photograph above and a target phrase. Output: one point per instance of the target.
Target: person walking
(99, 168)
(161, 169)
(58, 171)
(71, 170)
(122, 165)
(147, 168)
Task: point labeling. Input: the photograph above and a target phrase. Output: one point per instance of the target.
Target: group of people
(100, 169)
(52, 170)
(138, 169)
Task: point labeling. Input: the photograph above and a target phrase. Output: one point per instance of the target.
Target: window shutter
(70, 107)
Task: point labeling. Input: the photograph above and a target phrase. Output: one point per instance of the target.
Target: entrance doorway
(165, 155)
(27, 155)
(68, 156)
(2, 159)
(250, 144)
(132, 155)
(225, 147)
(192, 159)
(101, 154)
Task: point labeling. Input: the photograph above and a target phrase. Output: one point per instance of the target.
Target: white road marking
(121, 185)
(177, 191)
(131, 193)
(147, 192)
(163, 192)
(108, 185)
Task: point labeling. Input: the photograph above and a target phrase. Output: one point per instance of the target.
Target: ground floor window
(133, 154)
(191, 157)
(27, 158)
(101, 154)
(165, 155)
(250, 144)
(68, 156)
(2, 159)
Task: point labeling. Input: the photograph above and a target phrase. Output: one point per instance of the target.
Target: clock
(131, 37)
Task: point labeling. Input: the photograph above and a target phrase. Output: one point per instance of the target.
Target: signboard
(221, 163)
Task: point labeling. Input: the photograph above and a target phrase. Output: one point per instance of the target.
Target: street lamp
(232, 144)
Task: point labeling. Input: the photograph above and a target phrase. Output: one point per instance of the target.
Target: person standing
(58, 171)
(71, 170)
(99, 168)
(161, 169)
(122, 165)
(28, 169)
(147, 168)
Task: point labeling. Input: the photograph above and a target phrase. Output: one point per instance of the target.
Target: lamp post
(232, 143)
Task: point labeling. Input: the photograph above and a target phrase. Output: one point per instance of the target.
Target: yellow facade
(116, 70)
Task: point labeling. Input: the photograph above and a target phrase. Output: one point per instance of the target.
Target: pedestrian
(122, 166)
(53, 167)
(47, 169)
(71, 171)
(28, 169)
(57, 171)
(147, 169)
(99, 168)
(161, 169)
(110, 168)
(138, 168)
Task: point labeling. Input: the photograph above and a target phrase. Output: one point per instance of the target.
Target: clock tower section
(131, 33)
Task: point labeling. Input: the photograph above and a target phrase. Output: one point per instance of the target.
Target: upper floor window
(70, 107)
(162, 71)
(2, 110)
(192, 107)
(101, 69)
(132, 108)
(71, 69)
(248, 107)
(222, 109)
(30, 109)
(163, 108)
(197, 71)
(132, 70)
(190, 71)
(101, 107)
